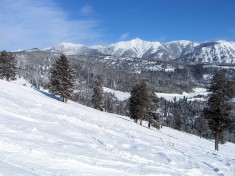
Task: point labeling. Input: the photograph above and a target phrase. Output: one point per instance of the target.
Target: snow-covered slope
(214, 52)
(132, 48)
(42, 136)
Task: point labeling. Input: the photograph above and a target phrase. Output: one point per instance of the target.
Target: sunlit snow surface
(198, 94)
(42, 136)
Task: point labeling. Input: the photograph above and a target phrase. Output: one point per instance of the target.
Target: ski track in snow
(40, 136)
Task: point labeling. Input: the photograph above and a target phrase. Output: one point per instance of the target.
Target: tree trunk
(141, 122)
(149, 124)
(217, 141)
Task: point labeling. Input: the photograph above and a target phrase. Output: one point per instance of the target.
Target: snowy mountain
(182, 50)
(73, 49)
(133, 48)
(218, 52)
(40, 136)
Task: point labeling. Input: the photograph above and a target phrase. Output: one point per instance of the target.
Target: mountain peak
(137, 40)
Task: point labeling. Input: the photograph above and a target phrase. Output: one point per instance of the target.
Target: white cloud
(87, 10)
(124, 36)
(41, 23)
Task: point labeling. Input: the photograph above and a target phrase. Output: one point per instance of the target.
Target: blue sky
(43, 23)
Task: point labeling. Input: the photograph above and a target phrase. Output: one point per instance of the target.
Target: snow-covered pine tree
(219, 107)
(62, 79)
(138, 101)
(7, 66)
(98, 96)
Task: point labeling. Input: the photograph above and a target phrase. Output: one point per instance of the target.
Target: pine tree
(138, 102)
(201, 125)
(178, 119)
(98, 96)
(152, 115)
(62, 79)
(7, 66)
(219, 107)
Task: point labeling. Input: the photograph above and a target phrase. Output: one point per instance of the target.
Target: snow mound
(40, 136)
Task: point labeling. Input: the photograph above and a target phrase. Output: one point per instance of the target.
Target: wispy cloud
(41, 23)
(124, 36)
(87, 10)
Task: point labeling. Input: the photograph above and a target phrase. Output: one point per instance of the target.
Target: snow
(21, 81)
(233, 99)
(65, 45)
(168, 68)
(40, 136)
(182, 42)
(192, 96)
(221, 52)
(137, 47)
(118, 94)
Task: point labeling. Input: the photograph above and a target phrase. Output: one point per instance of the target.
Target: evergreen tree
(7, 66)
(178, 119)
(152, 115)
(219, 107)
(138, 102)
(98, 96)
(201, 125)
(62, 79)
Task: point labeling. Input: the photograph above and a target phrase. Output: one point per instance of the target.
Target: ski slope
(40, 136)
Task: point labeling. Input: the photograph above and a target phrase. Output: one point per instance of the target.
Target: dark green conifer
(219, 107)
(7, 66)
(62, 79)
(98, 96)
(138, 102)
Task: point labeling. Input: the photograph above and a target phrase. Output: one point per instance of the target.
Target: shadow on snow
(49, 95)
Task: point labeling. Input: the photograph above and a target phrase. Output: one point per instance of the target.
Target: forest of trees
(91, 74)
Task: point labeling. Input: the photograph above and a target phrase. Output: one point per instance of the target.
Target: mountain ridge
(220, 51)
